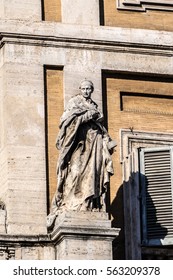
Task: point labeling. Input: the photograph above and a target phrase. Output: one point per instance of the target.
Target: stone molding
(89, 44)
(8, 238)
(144, 5)
(26, 247)
(81, 33)
(91, 229)
(84, 223)
(65, 231)
(135, 139)
(7, 253)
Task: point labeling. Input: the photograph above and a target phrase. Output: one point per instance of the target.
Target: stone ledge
(72, 231)
(77, 235)
(6, 238)
(89, 44)
(83, 218)
(83, 224)
(81, 32)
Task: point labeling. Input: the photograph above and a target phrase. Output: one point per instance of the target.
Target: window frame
(167, 240)
(144, 5)
(130, 144)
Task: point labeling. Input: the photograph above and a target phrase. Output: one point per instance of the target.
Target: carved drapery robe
(85, 163)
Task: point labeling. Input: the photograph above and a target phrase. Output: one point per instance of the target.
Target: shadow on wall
(152, 231)
(116, 210)
(101, 11)
(140, 222)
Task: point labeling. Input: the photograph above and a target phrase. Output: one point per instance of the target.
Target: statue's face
(86, 89)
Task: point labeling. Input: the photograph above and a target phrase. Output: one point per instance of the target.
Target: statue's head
(86, 88)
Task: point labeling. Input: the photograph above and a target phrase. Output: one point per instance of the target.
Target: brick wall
(55, 107)
(52, 10)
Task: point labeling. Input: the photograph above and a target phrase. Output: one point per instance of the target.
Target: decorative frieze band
(143, 5)
(7, 253)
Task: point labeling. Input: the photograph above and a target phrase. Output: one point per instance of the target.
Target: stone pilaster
(20, 10)
(22, 141)
(80, 12)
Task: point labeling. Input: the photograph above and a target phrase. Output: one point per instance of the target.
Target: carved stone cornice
(143, 5)
(80, 43)
(135, 139)
(15, 239)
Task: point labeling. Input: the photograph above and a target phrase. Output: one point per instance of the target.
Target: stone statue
(85, 163)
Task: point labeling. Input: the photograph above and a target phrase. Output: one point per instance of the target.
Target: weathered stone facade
(47, 48)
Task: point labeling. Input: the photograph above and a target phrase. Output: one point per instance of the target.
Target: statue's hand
(94, 114)
(100, 119)
(90, 114)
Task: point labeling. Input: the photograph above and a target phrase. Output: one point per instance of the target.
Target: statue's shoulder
(73, 101)
(77, 101)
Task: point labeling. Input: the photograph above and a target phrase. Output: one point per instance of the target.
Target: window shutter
(156, 175)
(131, 206)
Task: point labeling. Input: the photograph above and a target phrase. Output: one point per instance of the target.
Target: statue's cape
(70, 121)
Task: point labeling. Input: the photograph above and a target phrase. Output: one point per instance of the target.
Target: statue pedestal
(83, 235)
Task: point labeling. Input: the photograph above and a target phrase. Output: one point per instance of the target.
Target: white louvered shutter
(156, 175)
